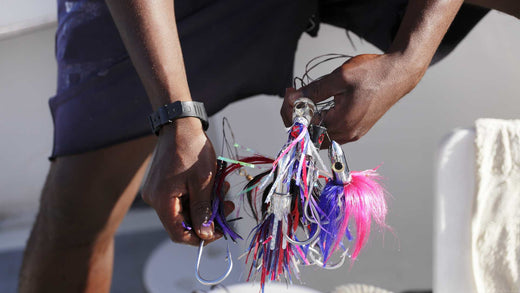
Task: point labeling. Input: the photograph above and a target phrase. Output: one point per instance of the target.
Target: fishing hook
(318, 262)
(303, 242)
(311, 218)
(220, 279)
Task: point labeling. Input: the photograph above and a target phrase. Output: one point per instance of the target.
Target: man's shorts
(232, 49)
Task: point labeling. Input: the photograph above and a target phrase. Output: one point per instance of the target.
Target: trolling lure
(273, 257)
(218, 216)
(274, 248)
(349, 195)
(292, 160)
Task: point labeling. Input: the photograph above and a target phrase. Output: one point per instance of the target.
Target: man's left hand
(364, 88)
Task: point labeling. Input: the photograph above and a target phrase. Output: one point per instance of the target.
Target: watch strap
(168, 113)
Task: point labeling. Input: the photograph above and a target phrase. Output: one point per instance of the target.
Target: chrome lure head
(339, 163)
(303, 111)
(317, 134)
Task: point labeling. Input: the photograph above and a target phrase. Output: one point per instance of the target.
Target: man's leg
(83, 202)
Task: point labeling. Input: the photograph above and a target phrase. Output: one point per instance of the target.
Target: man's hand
(364, 88)
(180, 182)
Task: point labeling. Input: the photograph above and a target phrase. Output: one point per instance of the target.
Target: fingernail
(206, 230)
(186, 226)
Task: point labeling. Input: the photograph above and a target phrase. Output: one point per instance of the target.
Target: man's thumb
(200, 212)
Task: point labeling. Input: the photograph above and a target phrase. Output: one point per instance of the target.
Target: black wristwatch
(170, 112)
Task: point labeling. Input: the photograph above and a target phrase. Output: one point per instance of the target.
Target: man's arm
(149, 32)
(181, 177)
(366, 86)
(421, 31)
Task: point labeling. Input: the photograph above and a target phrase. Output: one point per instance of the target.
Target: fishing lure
(349, 195)
(274, 248)
(218, 216)
(290, 197)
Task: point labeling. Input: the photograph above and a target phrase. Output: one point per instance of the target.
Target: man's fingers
(291, 95)
(200, 192)
(229, 207)
(318, 90)
(325, 87)
(337, 81)
(341, 121)
(171, 213)
(226, 188)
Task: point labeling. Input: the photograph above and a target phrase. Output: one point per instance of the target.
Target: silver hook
(318, 262)
(304, 242)
(311, 218)
(220, 279)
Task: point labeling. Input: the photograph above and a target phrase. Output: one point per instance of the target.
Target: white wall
(18, 16)
(27, 80)
(480, 79)
(15, 12)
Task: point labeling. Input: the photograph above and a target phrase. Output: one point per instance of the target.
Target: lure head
(317, 134)
(339, 163)
(303, 111)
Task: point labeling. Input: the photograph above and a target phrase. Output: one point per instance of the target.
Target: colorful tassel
(223, 171)
(349, 195)
(274, 248)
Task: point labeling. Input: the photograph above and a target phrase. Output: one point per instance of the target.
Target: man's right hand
(180, 182)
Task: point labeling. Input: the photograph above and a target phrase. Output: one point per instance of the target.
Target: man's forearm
(424, 25)
(149, 32)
